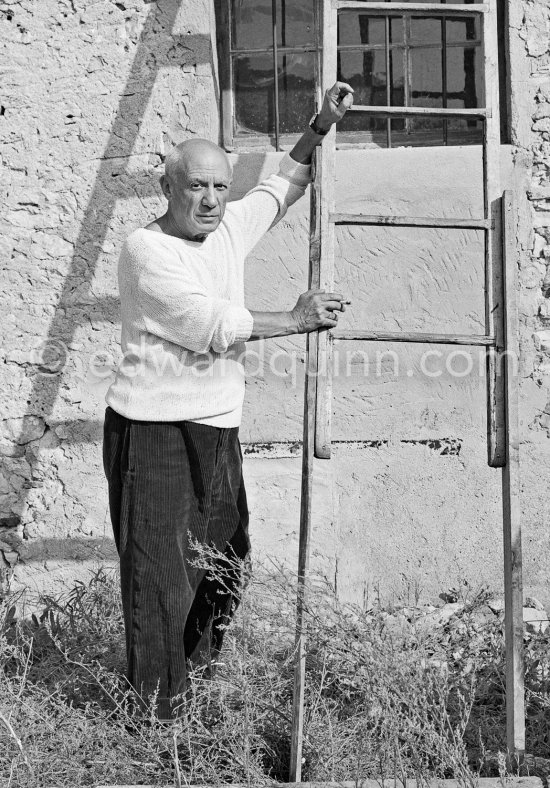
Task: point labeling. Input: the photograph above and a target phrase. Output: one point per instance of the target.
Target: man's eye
(221, 187)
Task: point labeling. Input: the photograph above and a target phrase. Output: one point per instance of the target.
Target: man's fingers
(333, 296)
(332, 305)
(335, 301)
(326, 304)
(347, 101)
(345, 90)
(340, 90)
(329, 320)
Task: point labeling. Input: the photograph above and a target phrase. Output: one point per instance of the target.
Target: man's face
(198, 195)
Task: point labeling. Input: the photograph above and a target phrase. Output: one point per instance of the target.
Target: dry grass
(385, 698)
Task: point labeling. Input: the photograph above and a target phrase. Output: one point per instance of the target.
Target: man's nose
(209, 197)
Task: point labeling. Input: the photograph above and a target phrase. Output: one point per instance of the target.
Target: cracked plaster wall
(94, 94)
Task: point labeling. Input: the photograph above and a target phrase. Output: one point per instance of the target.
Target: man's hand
(338, 99)
(316, 309)
(336, 102)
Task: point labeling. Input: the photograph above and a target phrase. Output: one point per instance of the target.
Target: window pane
(431, 131)
(426, 78)
(254, 105)
(254, 93)
(425, 30)
(396, 30)
(252, 23)
(464, 132)
(296, 25)
(463, 29)
(365, 71)
(417, 131)
(397, 77)
(356, 28)
(296, 91)
(360, 128)
(464, 83)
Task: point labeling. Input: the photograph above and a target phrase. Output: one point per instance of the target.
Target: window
(269, 53)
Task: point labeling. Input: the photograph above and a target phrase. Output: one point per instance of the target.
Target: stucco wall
(95, 93)
(408, 493)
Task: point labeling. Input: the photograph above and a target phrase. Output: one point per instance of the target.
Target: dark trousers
(171, 483)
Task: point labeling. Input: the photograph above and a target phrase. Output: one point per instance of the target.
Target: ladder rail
(297, 729)
(483, 340)
(511, 503)
(323, 406)
(310, 384)
(500, 334)
(496, 427)
(410, 221)
(317, 239)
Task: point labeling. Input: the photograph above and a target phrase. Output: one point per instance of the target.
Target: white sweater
(183, 317)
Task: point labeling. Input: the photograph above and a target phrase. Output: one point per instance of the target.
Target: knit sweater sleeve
(265, 204)
(174, 302)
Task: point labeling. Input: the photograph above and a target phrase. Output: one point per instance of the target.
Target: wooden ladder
(500, 337)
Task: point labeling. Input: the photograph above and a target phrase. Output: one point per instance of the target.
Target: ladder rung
(408, 221)
(434, 112)
(416, 9)
(431, 339)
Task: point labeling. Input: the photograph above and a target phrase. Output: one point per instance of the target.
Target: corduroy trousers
(172, 484)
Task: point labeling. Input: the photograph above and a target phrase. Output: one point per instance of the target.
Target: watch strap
(314, 127)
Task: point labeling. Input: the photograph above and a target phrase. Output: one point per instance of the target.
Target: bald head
(194, 153)
(196, 181)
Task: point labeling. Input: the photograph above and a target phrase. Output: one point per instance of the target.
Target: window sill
(360, 140)
(261, 143)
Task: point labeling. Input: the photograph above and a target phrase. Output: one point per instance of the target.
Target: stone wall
(94, 95)
(530, 128)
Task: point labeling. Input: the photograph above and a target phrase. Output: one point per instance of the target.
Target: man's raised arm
(314, 309)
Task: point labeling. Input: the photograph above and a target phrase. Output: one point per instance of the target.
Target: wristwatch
(314, 127)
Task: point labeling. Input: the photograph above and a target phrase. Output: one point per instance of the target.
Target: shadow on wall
(157, 44)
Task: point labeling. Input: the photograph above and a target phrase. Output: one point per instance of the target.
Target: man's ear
(165, 186)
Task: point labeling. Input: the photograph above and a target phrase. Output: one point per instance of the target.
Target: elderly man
(171, 450)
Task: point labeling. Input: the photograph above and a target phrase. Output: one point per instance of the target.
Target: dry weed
(385, 698)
